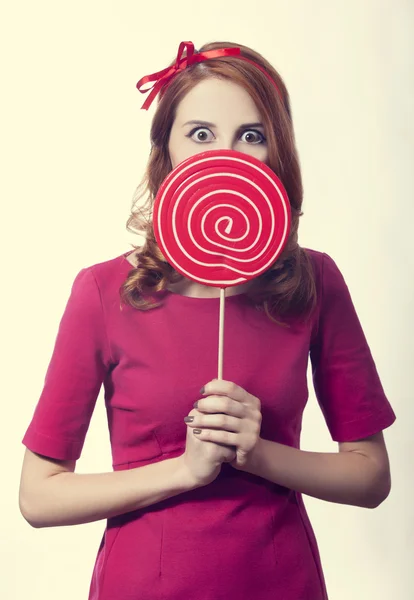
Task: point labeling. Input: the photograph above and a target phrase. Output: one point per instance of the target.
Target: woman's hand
(230, 416)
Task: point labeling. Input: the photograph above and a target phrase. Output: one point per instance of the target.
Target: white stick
(221, 333)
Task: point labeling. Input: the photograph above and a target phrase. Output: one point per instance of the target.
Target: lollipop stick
(221, 333)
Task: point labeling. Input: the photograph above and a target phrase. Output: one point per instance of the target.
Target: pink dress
(240, 537)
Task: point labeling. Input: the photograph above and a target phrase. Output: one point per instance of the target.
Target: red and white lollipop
(221, 218)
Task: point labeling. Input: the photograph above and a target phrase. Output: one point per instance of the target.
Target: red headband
(162, 78)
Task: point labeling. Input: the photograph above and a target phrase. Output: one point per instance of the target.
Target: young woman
(205, 501)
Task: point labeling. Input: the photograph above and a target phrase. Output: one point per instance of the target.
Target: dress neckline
(169, 293)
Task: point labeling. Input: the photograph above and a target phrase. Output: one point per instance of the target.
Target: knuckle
(226, 437)
(232, 387)
(222, 421)
(257, 416)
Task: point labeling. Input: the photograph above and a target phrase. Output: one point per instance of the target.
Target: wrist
(183, 474)
(254, 460)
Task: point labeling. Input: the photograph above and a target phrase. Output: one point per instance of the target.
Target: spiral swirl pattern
(221, 218)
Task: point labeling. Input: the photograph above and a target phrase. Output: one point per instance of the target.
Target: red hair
(287, 289)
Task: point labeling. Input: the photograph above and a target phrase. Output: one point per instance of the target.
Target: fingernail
(195, 405)
(188, 419)
(202, 390)
(196, 431)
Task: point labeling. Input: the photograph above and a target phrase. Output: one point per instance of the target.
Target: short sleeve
(345, 378)
(77, 368)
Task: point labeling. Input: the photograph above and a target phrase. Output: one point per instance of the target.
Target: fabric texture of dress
(241, 536)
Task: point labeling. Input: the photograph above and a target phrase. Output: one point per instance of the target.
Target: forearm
(342, 477)
(72, 498)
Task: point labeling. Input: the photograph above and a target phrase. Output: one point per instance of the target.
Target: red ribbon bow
(162, 78)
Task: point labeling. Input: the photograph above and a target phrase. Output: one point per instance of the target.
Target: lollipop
(221, 218)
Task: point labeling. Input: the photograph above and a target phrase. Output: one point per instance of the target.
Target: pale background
(74, 147)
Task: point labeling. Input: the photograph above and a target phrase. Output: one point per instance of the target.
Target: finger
(217, 435)
(225, 388)
(221, 404)
(215, 421)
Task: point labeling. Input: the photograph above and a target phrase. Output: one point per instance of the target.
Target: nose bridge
(226, 142)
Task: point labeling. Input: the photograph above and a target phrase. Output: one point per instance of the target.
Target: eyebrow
(208, 124)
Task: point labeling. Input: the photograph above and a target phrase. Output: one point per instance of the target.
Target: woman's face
(216, 114)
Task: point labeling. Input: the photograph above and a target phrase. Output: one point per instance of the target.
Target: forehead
(215, 100)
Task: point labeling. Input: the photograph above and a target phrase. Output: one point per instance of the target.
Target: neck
(186, 287)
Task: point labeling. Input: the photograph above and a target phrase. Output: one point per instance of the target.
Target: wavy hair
(287, 289)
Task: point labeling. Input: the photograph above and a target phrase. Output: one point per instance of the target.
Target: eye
(255, 137)
(201, 134)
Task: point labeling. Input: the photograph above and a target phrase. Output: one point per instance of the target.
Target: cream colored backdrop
(74, 146)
